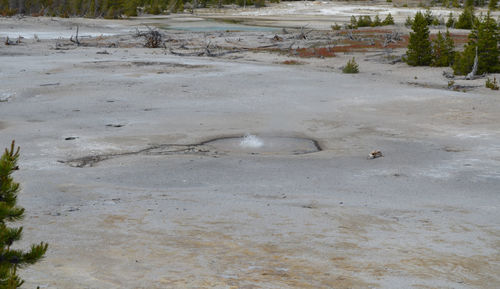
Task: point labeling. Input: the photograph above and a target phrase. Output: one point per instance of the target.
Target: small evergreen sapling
(336, 26)
(354, 22)
(492, 84)
(451, 22)
(12, 259)
(377, 22)
(428, 16)
(364, 21)
(388, 20)
(409, 21)
(351, 67)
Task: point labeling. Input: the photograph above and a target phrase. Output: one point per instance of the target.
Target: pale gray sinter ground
(165, 209)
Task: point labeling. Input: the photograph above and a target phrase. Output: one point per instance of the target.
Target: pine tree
(409, 21)
(376, 22)
(442, 50)
(466, 19)
(130, 7)
(388, 20)
(449, 47)
(364, 21)
(419, 51)
(451, 22)
(428, 16)
(487, 43)
(12, 259)
(485, 37)
(92, 9)
(492, 5)
(354, 22)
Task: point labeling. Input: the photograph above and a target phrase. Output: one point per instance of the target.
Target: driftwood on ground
(207, 50)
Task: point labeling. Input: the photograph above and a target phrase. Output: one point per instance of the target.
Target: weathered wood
(76, 40)
(153, 37)
(472, 74)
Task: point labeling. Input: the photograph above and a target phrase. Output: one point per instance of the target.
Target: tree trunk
(472, 74)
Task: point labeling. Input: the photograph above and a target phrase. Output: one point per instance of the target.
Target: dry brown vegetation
(291, 62)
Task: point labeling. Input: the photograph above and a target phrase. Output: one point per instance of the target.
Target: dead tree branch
(472, 74)
(76, 40)
(303, 34)
(153, 37)
(207, 50)
(392, 38)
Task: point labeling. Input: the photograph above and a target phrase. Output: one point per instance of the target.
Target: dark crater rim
(179, 149)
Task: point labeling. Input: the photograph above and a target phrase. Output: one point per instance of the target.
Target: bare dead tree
(195, 5)
(350, 34)
(472, 74)
(303, 34)
(392, 38)
(153, 37)
(76, 40)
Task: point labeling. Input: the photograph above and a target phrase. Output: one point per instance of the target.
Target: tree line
(109, 8)
(483, 45)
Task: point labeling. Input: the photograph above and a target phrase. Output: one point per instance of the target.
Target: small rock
(5, 96)
(375, 154)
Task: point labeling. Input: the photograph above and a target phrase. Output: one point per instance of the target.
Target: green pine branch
(13, 259)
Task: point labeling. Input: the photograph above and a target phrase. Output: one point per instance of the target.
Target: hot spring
(253, 144)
